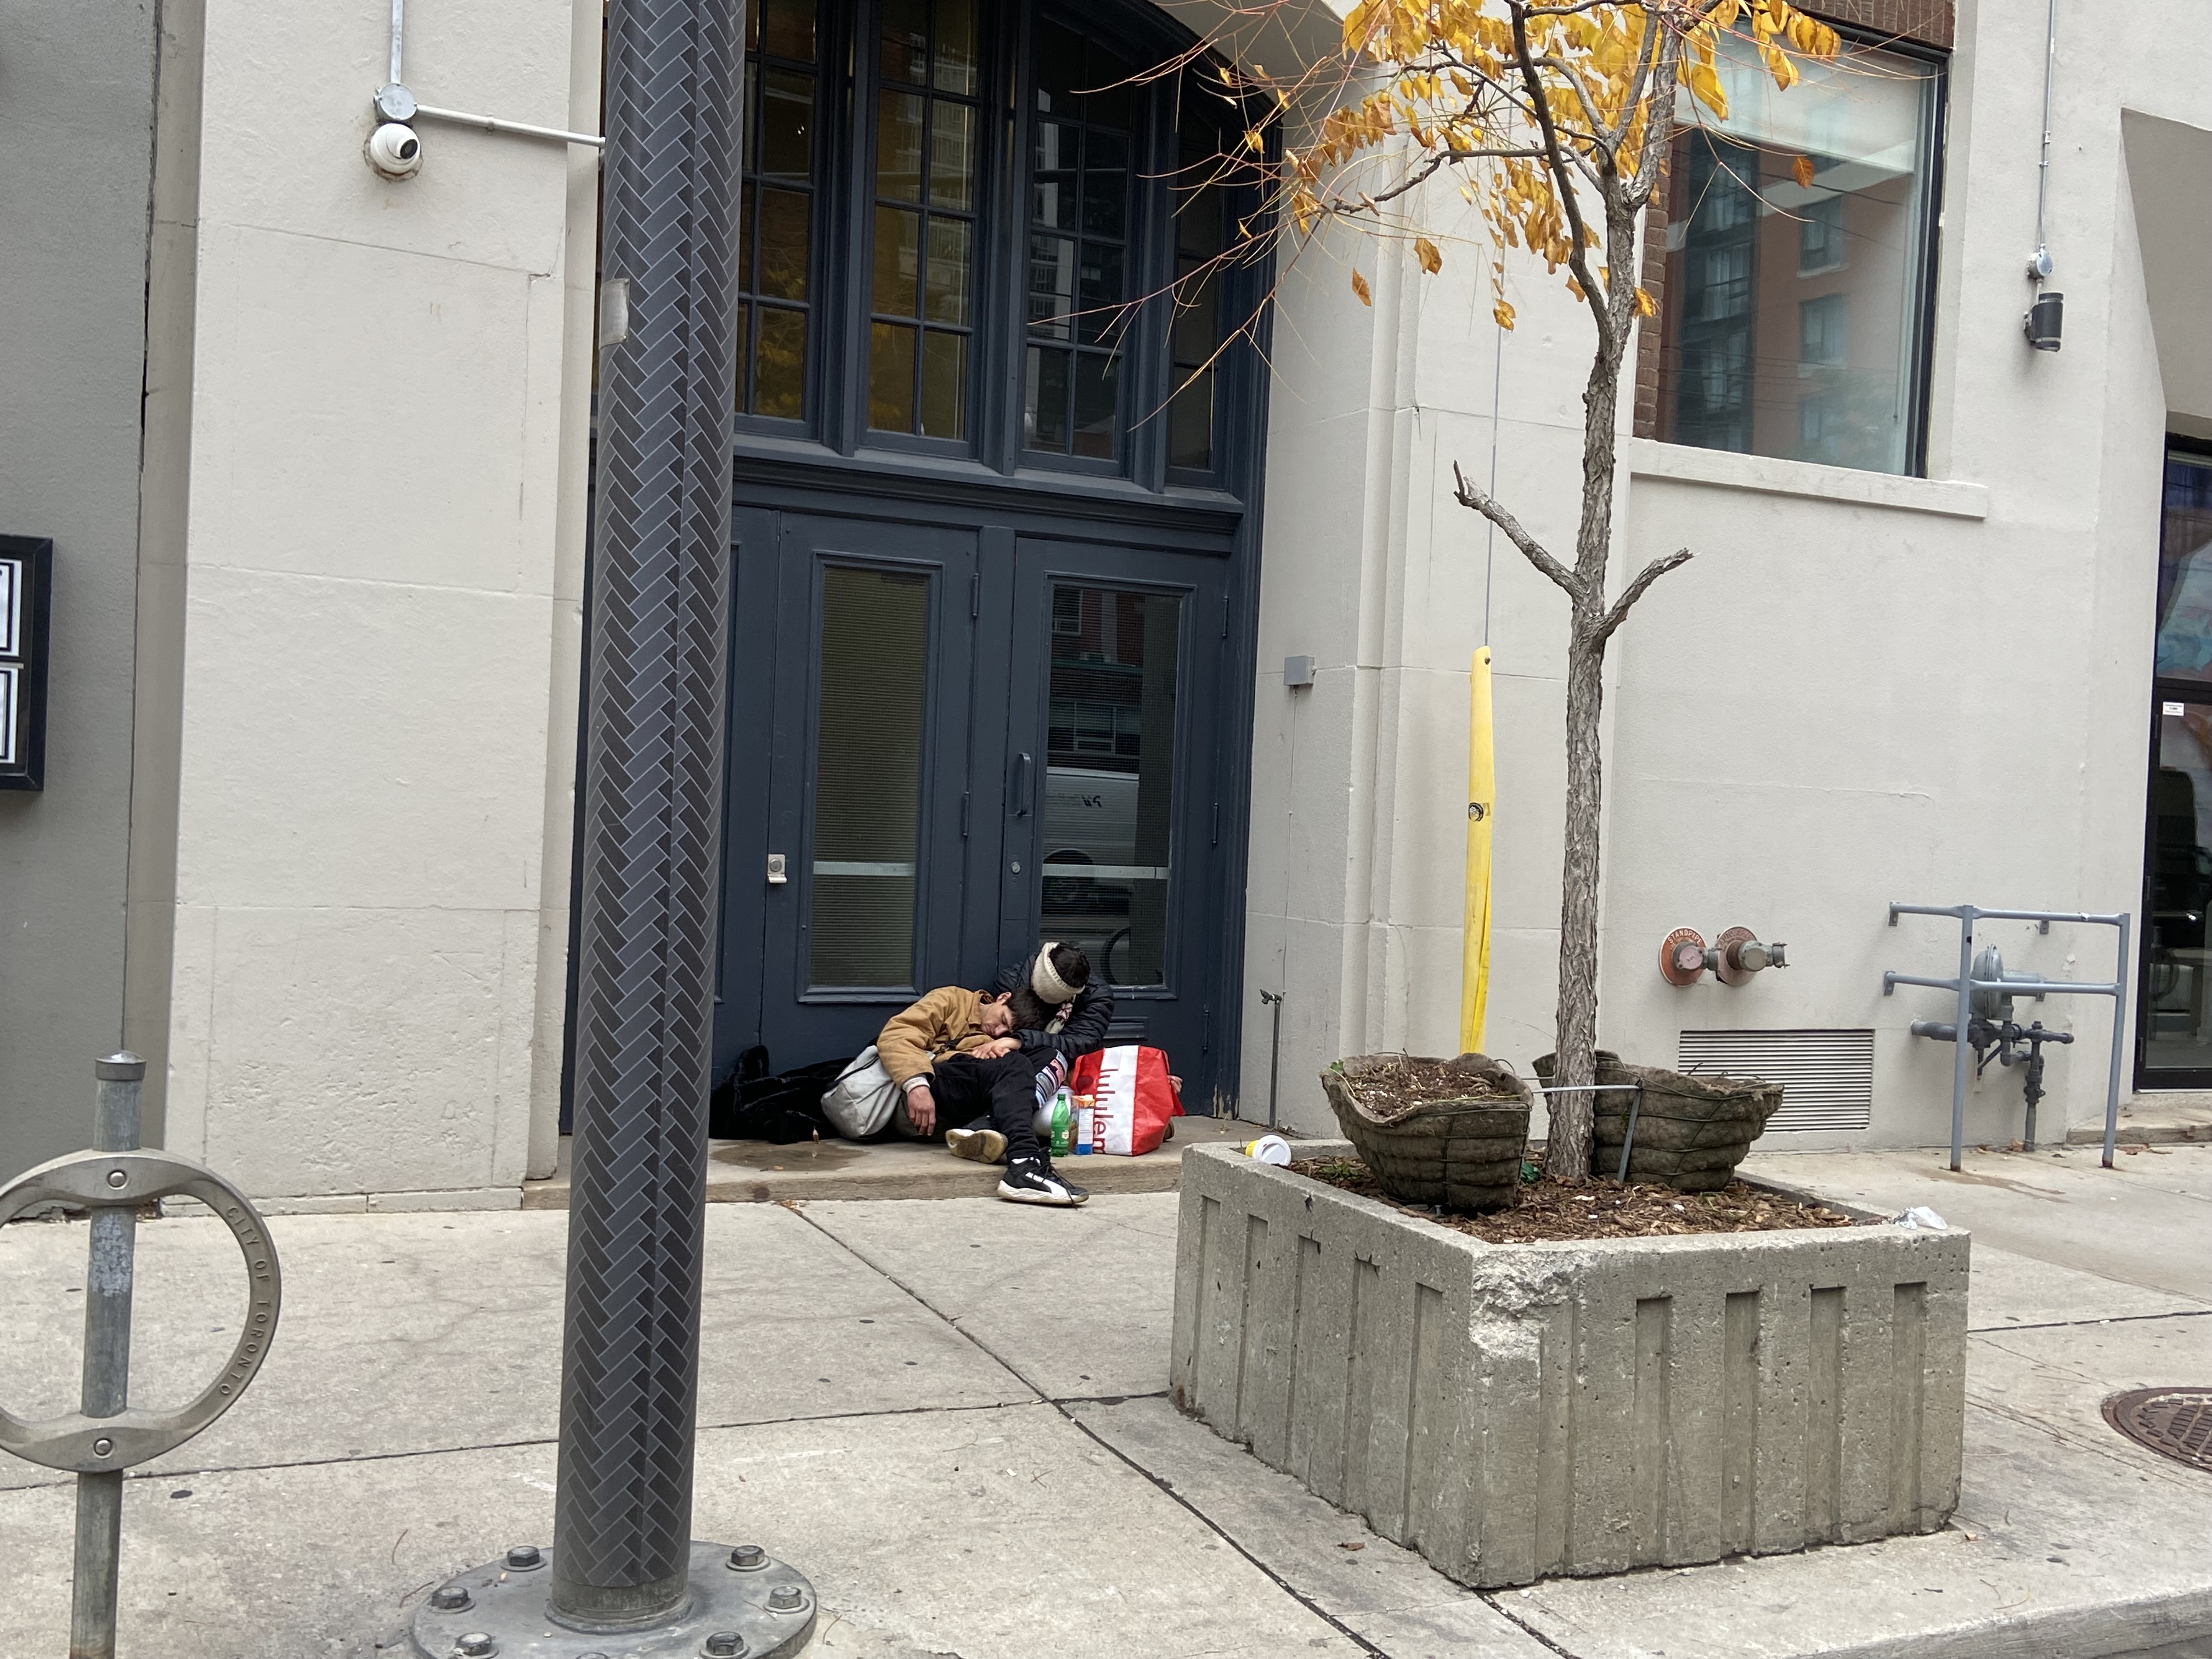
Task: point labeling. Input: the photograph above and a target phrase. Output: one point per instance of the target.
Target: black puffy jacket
(1086, 1022)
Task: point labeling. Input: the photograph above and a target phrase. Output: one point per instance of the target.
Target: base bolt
(475, 1645)
(451, 1598)
(747, 1557)
(786, 1598)
(102, 1446)
(523, 1557)
(117, 1178)
(724, 1644)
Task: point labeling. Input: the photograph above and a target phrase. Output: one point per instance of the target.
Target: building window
(928, 134)
(993, 233)
(1078, 247)
(776, 218)
(1794, 317)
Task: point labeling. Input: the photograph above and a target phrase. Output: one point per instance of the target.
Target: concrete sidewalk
(949, 1414)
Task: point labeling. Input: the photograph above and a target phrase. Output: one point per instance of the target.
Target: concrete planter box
(1517, 1411)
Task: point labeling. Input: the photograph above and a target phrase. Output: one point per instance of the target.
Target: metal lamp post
(625, 1573)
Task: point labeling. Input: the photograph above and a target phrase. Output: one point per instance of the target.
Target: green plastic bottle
(1063, 1124)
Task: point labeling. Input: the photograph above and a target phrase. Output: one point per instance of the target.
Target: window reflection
(1079, 217)
(1792, 314)
(2175, 1028)
(1109, 776)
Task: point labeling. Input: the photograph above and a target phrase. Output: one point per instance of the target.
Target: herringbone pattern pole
(651, 836)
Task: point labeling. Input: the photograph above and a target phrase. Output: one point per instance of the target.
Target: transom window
(993, 238)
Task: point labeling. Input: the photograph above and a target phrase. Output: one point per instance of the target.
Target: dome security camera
(394, 150)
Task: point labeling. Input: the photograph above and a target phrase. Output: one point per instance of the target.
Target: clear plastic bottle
(1085, 1112)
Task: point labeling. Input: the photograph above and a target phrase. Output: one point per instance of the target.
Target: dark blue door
(949, 743)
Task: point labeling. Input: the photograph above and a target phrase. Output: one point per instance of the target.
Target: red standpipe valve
(1734, 958)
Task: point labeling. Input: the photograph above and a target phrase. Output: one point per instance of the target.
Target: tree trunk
(1567, 1144)
(1567, 1150)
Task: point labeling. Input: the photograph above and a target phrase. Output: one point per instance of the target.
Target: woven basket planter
(1691, 1132)
(1462, 1154)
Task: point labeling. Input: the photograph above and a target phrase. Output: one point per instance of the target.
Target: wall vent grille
(1826, 1077)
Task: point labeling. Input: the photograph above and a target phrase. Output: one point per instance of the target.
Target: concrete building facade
(306, 841)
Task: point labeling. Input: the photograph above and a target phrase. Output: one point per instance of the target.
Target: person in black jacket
(1058, 1012)
(1056, 1006)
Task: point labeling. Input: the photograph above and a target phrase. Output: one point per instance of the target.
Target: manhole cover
(2174, 1422)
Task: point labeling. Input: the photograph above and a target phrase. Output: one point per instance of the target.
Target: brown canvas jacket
(946, 1022)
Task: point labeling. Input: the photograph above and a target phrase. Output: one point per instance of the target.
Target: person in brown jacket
(953, 1055)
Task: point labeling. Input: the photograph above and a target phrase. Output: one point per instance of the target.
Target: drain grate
(2174, 1422)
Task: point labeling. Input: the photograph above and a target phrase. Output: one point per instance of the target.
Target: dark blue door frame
(991, 497)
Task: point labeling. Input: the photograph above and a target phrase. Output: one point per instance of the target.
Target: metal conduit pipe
(394, 102)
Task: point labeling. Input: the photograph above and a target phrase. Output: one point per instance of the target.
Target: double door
(949, 741)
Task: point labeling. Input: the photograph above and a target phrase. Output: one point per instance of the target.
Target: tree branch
(1617, 612)
(1570, 204)
(1468, 495)
(1659, 122)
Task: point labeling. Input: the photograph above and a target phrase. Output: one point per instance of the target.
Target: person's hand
(922, 1109)
(996, 1046)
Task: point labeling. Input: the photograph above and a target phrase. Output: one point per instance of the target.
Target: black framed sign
(26, 565)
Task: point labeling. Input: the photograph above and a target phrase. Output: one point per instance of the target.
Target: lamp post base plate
(508, 1607)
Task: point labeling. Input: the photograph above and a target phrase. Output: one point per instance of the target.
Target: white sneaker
(976, 1145)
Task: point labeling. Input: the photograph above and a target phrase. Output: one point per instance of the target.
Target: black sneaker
(1032, 1181)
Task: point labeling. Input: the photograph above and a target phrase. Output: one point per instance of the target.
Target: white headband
(1045, 982)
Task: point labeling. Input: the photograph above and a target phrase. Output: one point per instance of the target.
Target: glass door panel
(2176, 1023)
(1110, 766)
(1112, 842)
(872, 694)
(2173, 1019)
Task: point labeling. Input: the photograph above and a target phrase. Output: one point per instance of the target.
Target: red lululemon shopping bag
(1133, 1098)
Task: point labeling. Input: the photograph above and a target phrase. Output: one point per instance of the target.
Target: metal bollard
(110, 1258)
(104, 1436)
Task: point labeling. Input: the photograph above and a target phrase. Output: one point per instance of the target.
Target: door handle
(1018, 791)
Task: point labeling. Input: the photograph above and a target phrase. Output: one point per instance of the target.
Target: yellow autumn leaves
(1460, 95)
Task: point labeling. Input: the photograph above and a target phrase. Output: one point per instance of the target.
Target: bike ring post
(104, 1436)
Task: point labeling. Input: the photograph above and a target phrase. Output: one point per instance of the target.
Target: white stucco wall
(373, 571)
(1861, 690)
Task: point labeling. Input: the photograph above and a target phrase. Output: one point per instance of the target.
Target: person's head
(1059, 972)
(996, 1015)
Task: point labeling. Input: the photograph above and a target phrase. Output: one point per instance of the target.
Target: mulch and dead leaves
(1390, 1088)
(1554, 1209)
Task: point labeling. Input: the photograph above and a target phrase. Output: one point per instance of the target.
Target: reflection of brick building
(1795, 308)
(1111, 738)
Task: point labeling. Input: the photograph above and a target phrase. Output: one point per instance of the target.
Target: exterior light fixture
(2046, 321)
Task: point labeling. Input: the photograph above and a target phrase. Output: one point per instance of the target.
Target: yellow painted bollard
(1481, 790)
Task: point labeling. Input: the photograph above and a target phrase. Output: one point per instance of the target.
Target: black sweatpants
(1005, 1087)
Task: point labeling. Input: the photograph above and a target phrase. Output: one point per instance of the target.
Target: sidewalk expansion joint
(1158, 1484)
(1498, 1607)
(521, 1445)
(2079, 1324)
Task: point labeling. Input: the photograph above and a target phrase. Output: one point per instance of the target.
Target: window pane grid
(921, 284)
(1194, 331)
(1078, 247)
(776, 208)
